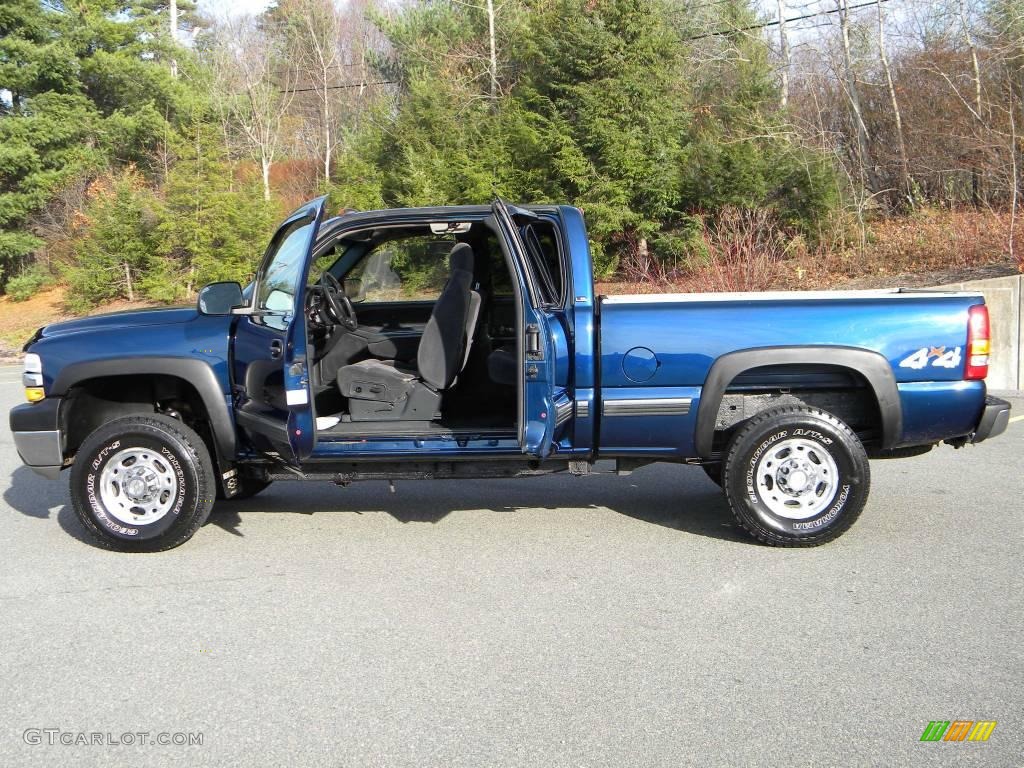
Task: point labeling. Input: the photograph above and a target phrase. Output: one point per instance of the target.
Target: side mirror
(220, 298)
(354, 289)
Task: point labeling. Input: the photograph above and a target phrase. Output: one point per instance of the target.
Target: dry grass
(747, 252)
(20, 319)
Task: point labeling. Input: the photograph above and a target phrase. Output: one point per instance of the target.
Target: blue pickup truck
(467, 342)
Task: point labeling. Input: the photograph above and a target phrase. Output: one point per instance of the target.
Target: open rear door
(535, 349)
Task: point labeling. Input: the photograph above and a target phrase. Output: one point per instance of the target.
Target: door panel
(270, 380)
(536, 353)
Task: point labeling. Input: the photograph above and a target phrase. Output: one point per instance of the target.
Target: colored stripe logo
(958, 730)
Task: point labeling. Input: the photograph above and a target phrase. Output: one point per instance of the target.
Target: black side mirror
(220, 298)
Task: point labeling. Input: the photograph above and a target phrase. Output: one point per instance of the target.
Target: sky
(232, 7)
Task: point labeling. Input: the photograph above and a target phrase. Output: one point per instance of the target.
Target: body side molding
(871, 365)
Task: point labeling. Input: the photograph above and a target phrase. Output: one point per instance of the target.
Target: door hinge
(238, 394)
(533, 341)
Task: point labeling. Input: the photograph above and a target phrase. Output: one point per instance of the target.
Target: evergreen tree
(87, 89)
(600, 105)
(214, 223)
(116, 248)
(604, 79)
(738, 150)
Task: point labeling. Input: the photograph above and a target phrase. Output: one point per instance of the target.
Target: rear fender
(871, 365)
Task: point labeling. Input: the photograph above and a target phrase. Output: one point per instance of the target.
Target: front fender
(199, 373)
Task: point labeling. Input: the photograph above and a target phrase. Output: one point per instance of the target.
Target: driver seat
(383, 390)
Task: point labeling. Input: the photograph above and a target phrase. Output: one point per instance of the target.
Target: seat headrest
(461, 257)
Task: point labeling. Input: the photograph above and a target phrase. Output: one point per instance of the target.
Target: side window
(279, 281)
(407, 269)
(541, 240)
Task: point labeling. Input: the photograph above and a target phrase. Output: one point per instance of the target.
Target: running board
(348, 472)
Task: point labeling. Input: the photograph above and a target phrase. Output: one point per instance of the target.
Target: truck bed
(662, 346)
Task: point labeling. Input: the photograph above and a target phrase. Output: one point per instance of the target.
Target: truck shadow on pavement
(680, 498)
(35, 496)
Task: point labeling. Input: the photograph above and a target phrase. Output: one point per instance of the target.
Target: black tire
(806, 441)
(177, 450)
(247, 488)
(714, 472)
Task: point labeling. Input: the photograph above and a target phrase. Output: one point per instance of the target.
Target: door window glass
(279, 282)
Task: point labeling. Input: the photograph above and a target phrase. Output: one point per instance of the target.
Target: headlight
(32, 378)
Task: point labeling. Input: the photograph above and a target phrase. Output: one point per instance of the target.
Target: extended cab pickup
(467, 342)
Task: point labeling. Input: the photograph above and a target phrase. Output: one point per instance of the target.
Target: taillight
(978, 342)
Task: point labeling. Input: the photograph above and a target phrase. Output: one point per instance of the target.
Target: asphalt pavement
(559, 621)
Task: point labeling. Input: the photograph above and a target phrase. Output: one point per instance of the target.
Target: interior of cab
(413, 330)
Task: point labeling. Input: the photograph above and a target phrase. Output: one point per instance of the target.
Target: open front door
(536, 357)
(270, 375)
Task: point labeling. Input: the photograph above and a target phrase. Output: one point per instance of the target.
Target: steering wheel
(338, 306)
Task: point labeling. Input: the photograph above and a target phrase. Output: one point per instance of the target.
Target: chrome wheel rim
(138, 486)
(797, 479)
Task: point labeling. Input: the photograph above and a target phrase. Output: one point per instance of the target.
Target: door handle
(276, 349)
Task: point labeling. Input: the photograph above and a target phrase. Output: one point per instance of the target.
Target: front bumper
(38, 437)
(993, 420)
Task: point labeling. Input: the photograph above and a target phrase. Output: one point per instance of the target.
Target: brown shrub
(749, 251)
(932, 239)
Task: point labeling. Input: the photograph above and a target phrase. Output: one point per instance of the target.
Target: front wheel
(796, 477)
(142, 483)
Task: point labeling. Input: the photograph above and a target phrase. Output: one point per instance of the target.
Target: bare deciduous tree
(784, 50)
(883, 55)
(853, 96)
(315, 32)
(254, 89)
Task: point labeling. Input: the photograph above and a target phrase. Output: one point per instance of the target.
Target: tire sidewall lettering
(767, 443)
(179, 473)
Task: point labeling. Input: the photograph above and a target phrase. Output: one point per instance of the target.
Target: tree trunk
(977, 198)
(265, 163)
(853, 94)
(128, 282)
(493, 68)
(326, 118)
(174, 35)
(784, 47)
(969, 39)
(901, 145)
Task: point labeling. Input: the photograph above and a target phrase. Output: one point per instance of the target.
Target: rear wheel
(142, 483)
(796, 476)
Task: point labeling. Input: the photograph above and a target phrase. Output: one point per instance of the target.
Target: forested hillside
(146, 149)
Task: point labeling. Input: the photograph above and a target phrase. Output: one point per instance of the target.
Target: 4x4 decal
(943, 358)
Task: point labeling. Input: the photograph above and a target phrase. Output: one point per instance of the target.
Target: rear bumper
(38, 437)
(993, 420)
